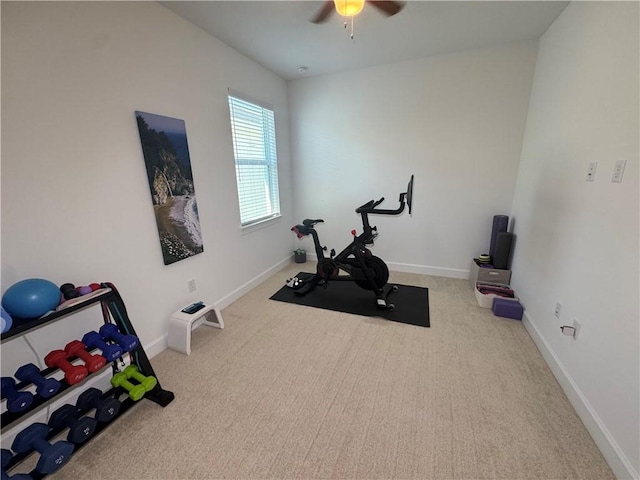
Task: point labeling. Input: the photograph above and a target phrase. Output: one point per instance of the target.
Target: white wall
(76, 205)
(578, 241)
(454, 121)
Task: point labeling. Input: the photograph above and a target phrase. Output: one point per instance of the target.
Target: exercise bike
(356, 260)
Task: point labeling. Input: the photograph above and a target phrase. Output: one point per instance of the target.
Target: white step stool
(181, 324)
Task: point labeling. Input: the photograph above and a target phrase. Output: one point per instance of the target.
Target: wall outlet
(591, 171)
(557, 310)
(577, 326)
(568, 330)
(191, 285)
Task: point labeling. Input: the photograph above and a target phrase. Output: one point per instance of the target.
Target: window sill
(260, 225)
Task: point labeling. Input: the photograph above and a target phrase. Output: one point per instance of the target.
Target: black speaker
(502, 252)
(500, 223)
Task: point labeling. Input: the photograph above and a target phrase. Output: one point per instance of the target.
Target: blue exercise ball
(31, 298)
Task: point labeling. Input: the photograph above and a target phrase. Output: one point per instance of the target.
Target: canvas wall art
(166, 155)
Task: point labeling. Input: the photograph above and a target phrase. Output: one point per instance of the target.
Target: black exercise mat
(411, 303)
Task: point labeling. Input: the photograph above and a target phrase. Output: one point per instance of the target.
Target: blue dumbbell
(110, 332)
(110, 352)
(16, 401)
(6, 460)
(80, 428)
(45, 387)
(52, 456)
(106, 409)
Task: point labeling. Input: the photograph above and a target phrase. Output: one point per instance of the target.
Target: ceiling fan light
(349, 8)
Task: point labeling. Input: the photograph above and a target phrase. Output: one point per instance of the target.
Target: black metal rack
(114, 310)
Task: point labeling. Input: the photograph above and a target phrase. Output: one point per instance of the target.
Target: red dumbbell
(78, 349)
(72, 373)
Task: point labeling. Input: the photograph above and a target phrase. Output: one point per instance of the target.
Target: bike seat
(310, 223)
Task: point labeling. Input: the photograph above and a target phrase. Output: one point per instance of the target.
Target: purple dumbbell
(94, 340)
(110, 332)
(45, 387)
(17, 401)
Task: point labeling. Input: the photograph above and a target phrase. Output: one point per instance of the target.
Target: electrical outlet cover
(576, 326)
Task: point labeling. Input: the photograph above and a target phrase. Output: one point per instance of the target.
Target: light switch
(618, 171)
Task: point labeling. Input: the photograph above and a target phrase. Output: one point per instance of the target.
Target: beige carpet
(287, 391)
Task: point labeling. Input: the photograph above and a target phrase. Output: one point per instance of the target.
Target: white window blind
(254, 149)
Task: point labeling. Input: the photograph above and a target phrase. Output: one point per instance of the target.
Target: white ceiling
(279, 36)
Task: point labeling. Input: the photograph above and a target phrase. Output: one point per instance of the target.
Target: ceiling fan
(349, 8)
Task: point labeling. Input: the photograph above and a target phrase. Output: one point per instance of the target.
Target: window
(254, 148)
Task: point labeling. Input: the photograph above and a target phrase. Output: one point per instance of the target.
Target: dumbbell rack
(112, 307)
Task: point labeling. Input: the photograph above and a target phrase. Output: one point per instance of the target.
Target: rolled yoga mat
(504, 241)
(500, 223)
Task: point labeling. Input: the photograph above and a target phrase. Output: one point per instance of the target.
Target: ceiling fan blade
(324, 12)
(389, 8)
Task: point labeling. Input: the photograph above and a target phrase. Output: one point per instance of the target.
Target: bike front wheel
(377, 269)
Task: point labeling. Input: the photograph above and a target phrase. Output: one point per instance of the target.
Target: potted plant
(300, 255)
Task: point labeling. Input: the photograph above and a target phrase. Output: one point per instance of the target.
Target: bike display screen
(409, 193)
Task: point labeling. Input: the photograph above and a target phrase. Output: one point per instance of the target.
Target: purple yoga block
(507, 308)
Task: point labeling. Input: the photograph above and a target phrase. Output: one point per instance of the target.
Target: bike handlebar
(369, 204)
(370, 207)
(405, 199)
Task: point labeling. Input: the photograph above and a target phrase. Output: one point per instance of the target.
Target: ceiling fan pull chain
(352, 20)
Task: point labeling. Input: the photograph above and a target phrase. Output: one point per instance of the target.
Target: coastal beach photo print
(166, 155)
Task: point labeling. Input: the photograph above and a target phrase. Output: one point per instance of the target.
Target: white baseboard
(162, 343)
(421, 269)
(427, 270)
(157, 346)
(612, 453)
(251, 284)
